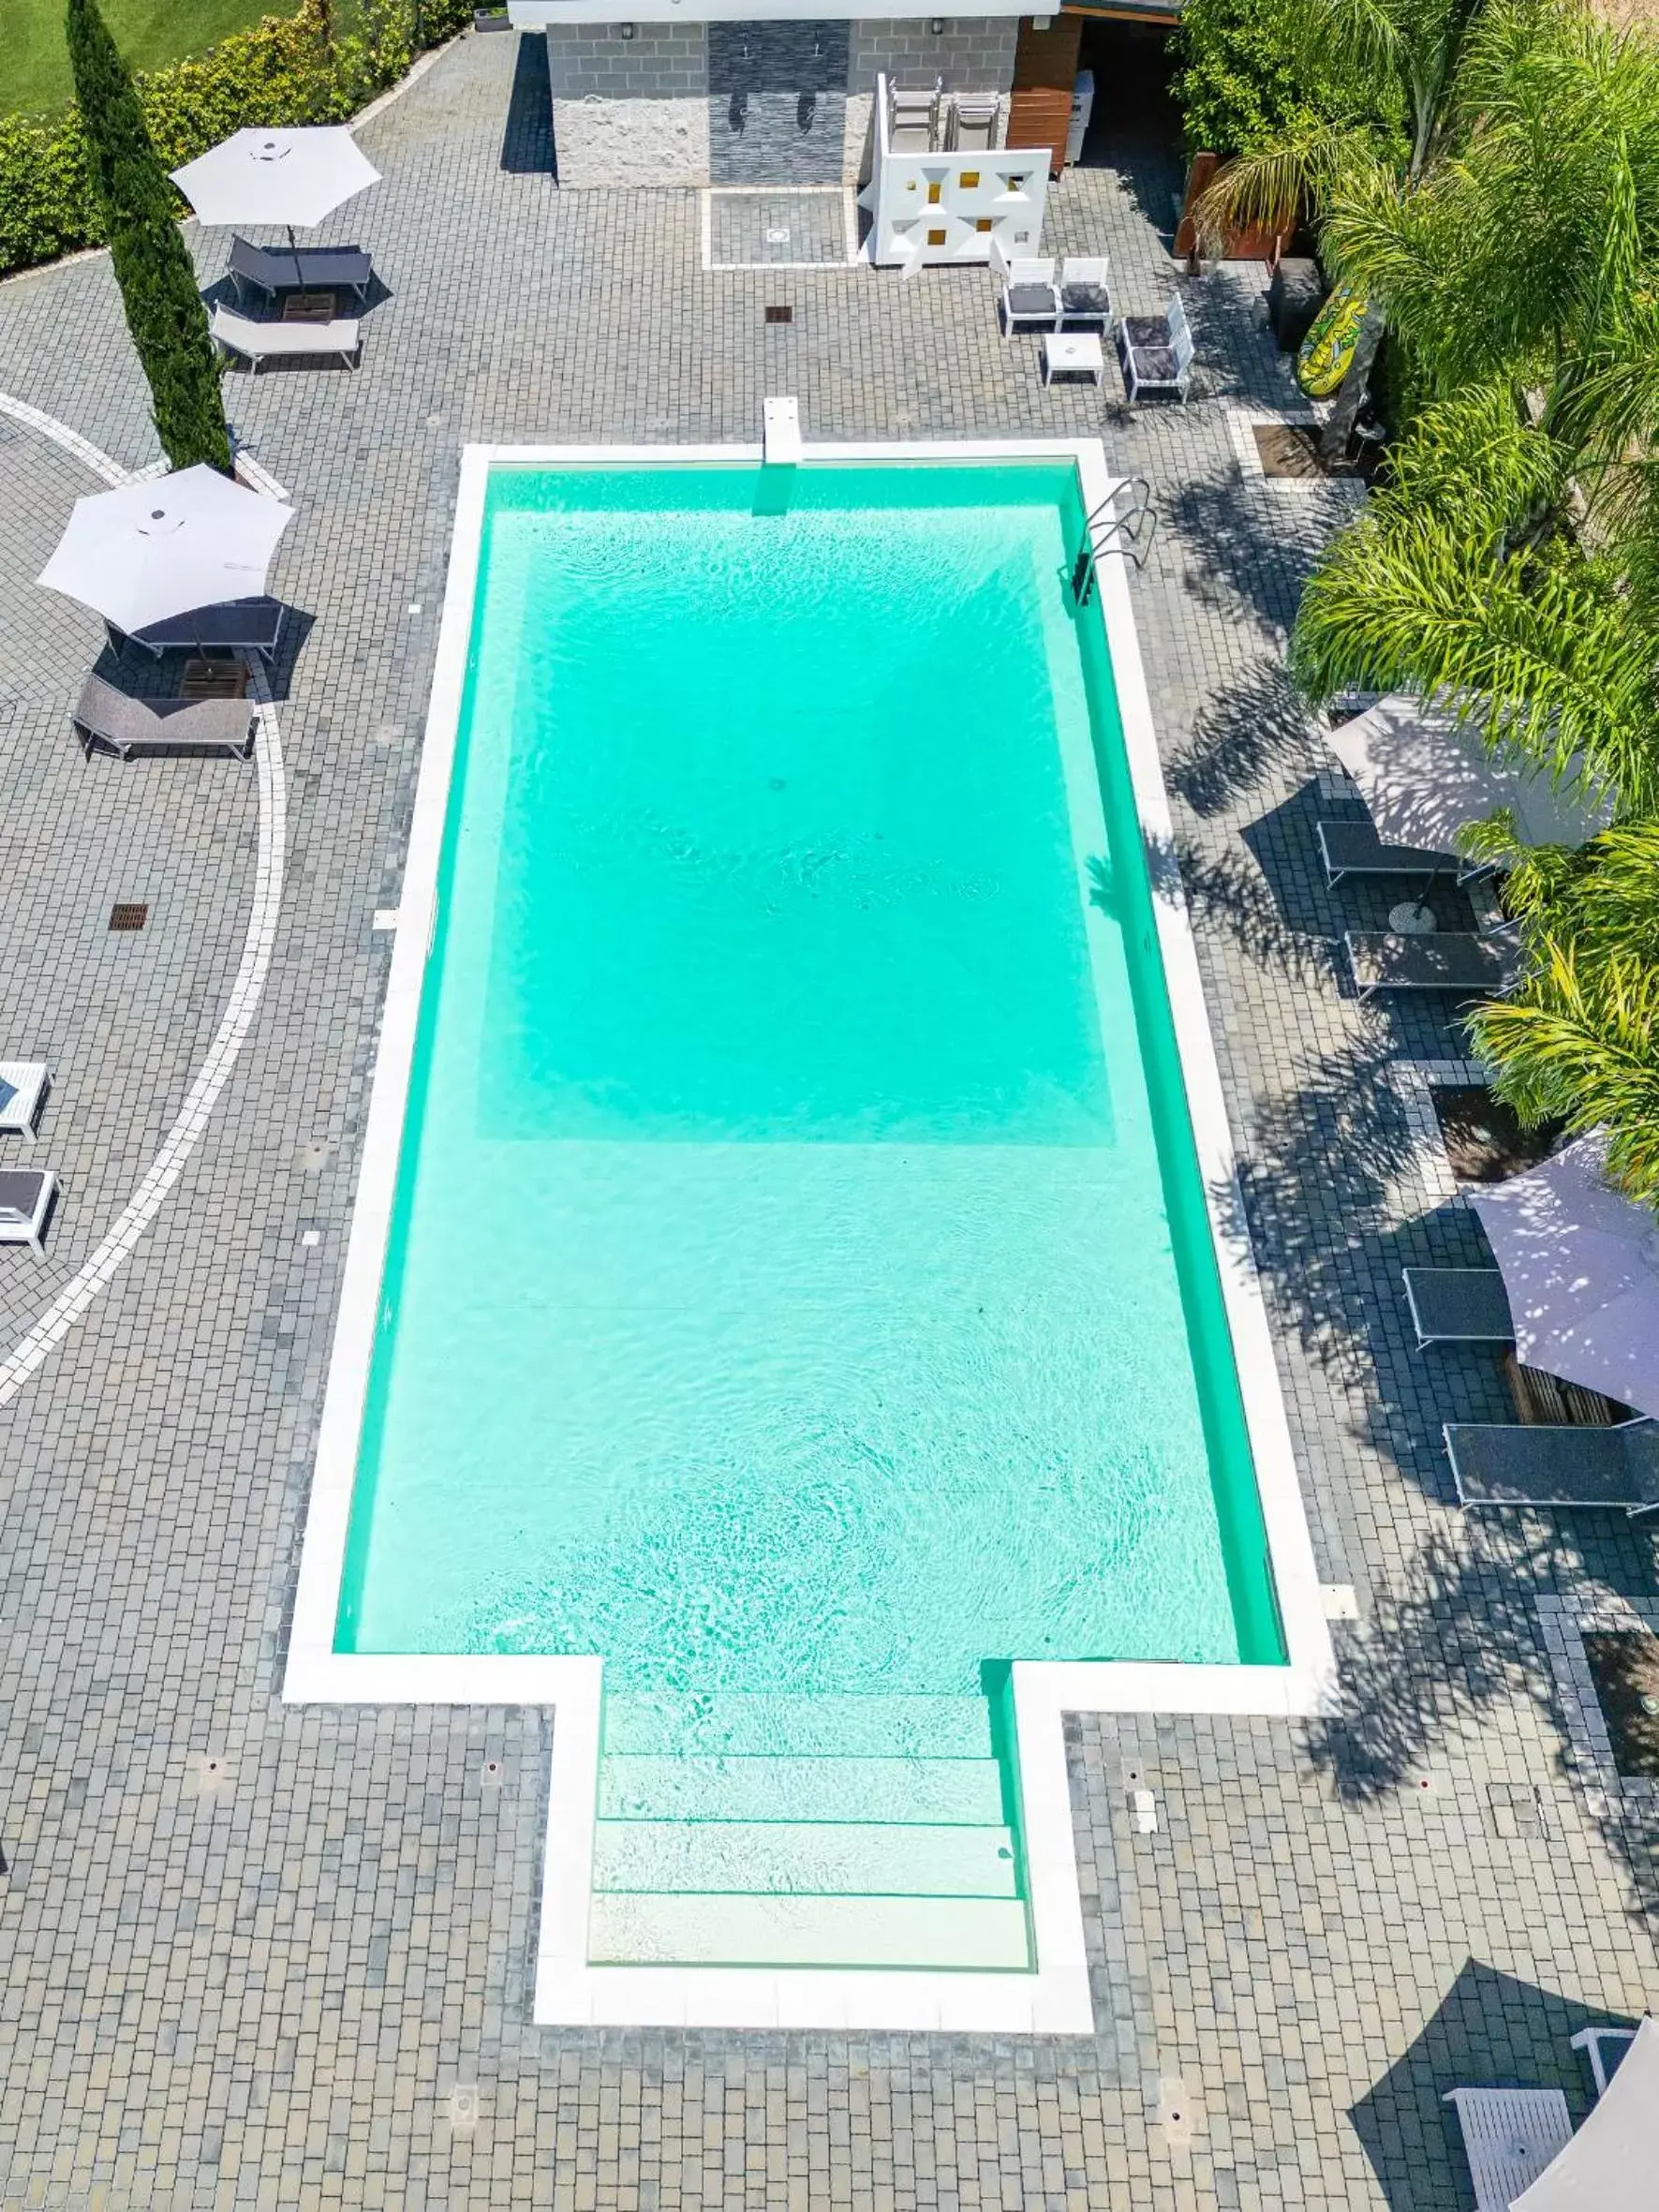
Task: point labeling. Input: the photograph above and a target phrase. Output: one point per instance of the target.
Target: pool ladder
(1124, 522)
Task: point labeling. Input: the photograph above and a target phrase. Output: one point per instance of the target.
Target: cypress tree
(153, 268)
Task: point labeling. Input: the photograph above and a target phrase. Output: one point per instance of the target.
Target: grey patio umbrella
(292, 177)
(1580, 1263)
(167, 545)
(1425, 776)
(1612, 2162)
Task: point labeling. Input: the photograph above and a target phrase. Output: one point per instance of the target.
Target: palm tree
(1578, 1042)
(1418, 71)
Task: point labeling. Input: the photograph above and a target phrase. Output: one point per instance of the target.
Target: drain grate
(128, 913)
(780, 315)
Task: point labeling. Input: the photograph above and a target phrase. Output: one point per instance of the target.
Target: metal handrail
(1110, 529)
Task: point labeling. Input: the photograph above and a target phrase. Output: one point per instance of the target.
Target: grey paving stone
(250, 1953)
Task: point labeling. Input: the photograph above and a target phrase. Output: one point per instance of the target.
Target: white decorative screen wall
(948, 207)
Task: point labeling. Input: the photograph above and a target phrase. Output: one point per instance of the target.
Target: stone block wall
(973, 54)
(629, 110)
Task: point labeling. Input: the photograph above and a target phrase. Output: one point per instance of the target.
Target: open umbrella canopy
(1611, 2162)
(167, 545)
(293, 177)
(1425, 776)
(1581, 1268)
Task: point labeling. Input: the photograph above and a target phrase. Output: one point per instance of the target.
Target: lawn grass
(149, 32)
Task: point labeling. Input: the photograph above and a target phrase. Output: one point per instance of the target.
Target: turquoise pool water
(799, 1278)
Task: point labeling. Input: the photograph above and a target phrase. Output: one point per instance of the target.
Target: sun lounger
(260, 342)
(1355, 849)
(1458, 1306)
(1500, 1463)
(238, 626)
(1156, 352)
(1083, 294)
(23, 1092)
(1029, 297)
(1443, 960)
(1510, 2136)
(104, 716)
(270, 269)
(25, 1200)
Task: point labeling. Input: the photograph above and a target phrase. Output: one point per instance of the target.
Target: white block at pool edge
(780, 432)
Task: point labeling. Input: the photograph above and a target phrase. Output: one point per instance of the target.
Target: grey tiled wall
(776, 102)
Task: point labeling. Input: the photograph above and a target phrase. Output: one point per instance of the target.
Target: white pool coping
(1055, 1999)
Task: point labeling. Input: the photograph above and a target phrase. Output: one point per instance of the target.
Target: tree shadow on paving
(1256, 729)
(1246, 547)
(1456, 1637)
(1456, 1640)
(1224, 892)
(1317, 1195)
(526, 143)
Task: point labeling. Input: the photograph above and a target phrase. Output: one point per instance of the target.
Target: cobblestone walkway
(257, 1956)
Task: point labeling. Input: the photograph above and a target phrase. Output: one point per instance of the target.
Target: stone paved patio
(250, 1955)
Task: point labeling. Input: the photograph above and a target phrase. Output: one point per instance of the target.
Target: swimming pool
(799, 1280)
(795, 1321)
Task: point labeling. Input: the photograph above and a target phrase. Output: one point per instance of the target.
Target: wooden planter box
(1256, 243)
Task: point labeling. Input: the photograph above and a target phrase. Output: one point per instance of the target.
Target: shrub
(1235, 81)
(288, 69)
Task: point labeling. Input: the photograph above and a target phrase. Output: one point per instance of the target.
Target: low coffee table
(1072, 353)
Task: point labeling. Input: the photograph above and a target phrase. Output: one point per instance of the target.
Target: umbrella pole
(294, 248)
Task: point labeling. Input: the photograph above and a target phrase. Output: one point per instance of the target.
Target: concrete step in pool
(805, 1832)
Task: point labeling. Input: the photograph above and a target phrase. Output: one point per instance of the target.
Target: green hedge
(287, 69)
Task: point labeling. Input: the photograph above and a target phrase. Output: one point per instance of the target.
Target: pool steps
(796, 1831)
(895, 1932)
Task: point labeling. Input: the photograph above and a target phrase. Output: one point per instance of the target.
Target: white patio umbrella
(1425, 777)
(165, 546)
(293, 177)
(1611, 2164)
(1581, 1266)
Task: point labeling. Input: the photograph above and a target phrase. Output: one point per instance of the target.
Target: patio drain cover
(780, 315)
(128, 915)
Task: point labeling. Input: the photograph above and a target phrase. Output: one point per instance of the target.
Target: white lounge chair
(1083, 294)
(25, 1200)
(1510, 2136)
(1157, 351)
(1590, 2041)
(23, 1092)
(1028, 295)
(260, 342)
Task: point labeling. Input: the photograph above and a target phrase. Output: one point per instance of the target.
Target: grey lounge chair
(1355, 849)
(238, 626)
(1084, 296)
(1156, 352)
(104, 716)
(1458, 1306)
(25, 1200)
(1496, 1464)
(269, 270)
(1444, 961)
(260, 342)
(1029, 298)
